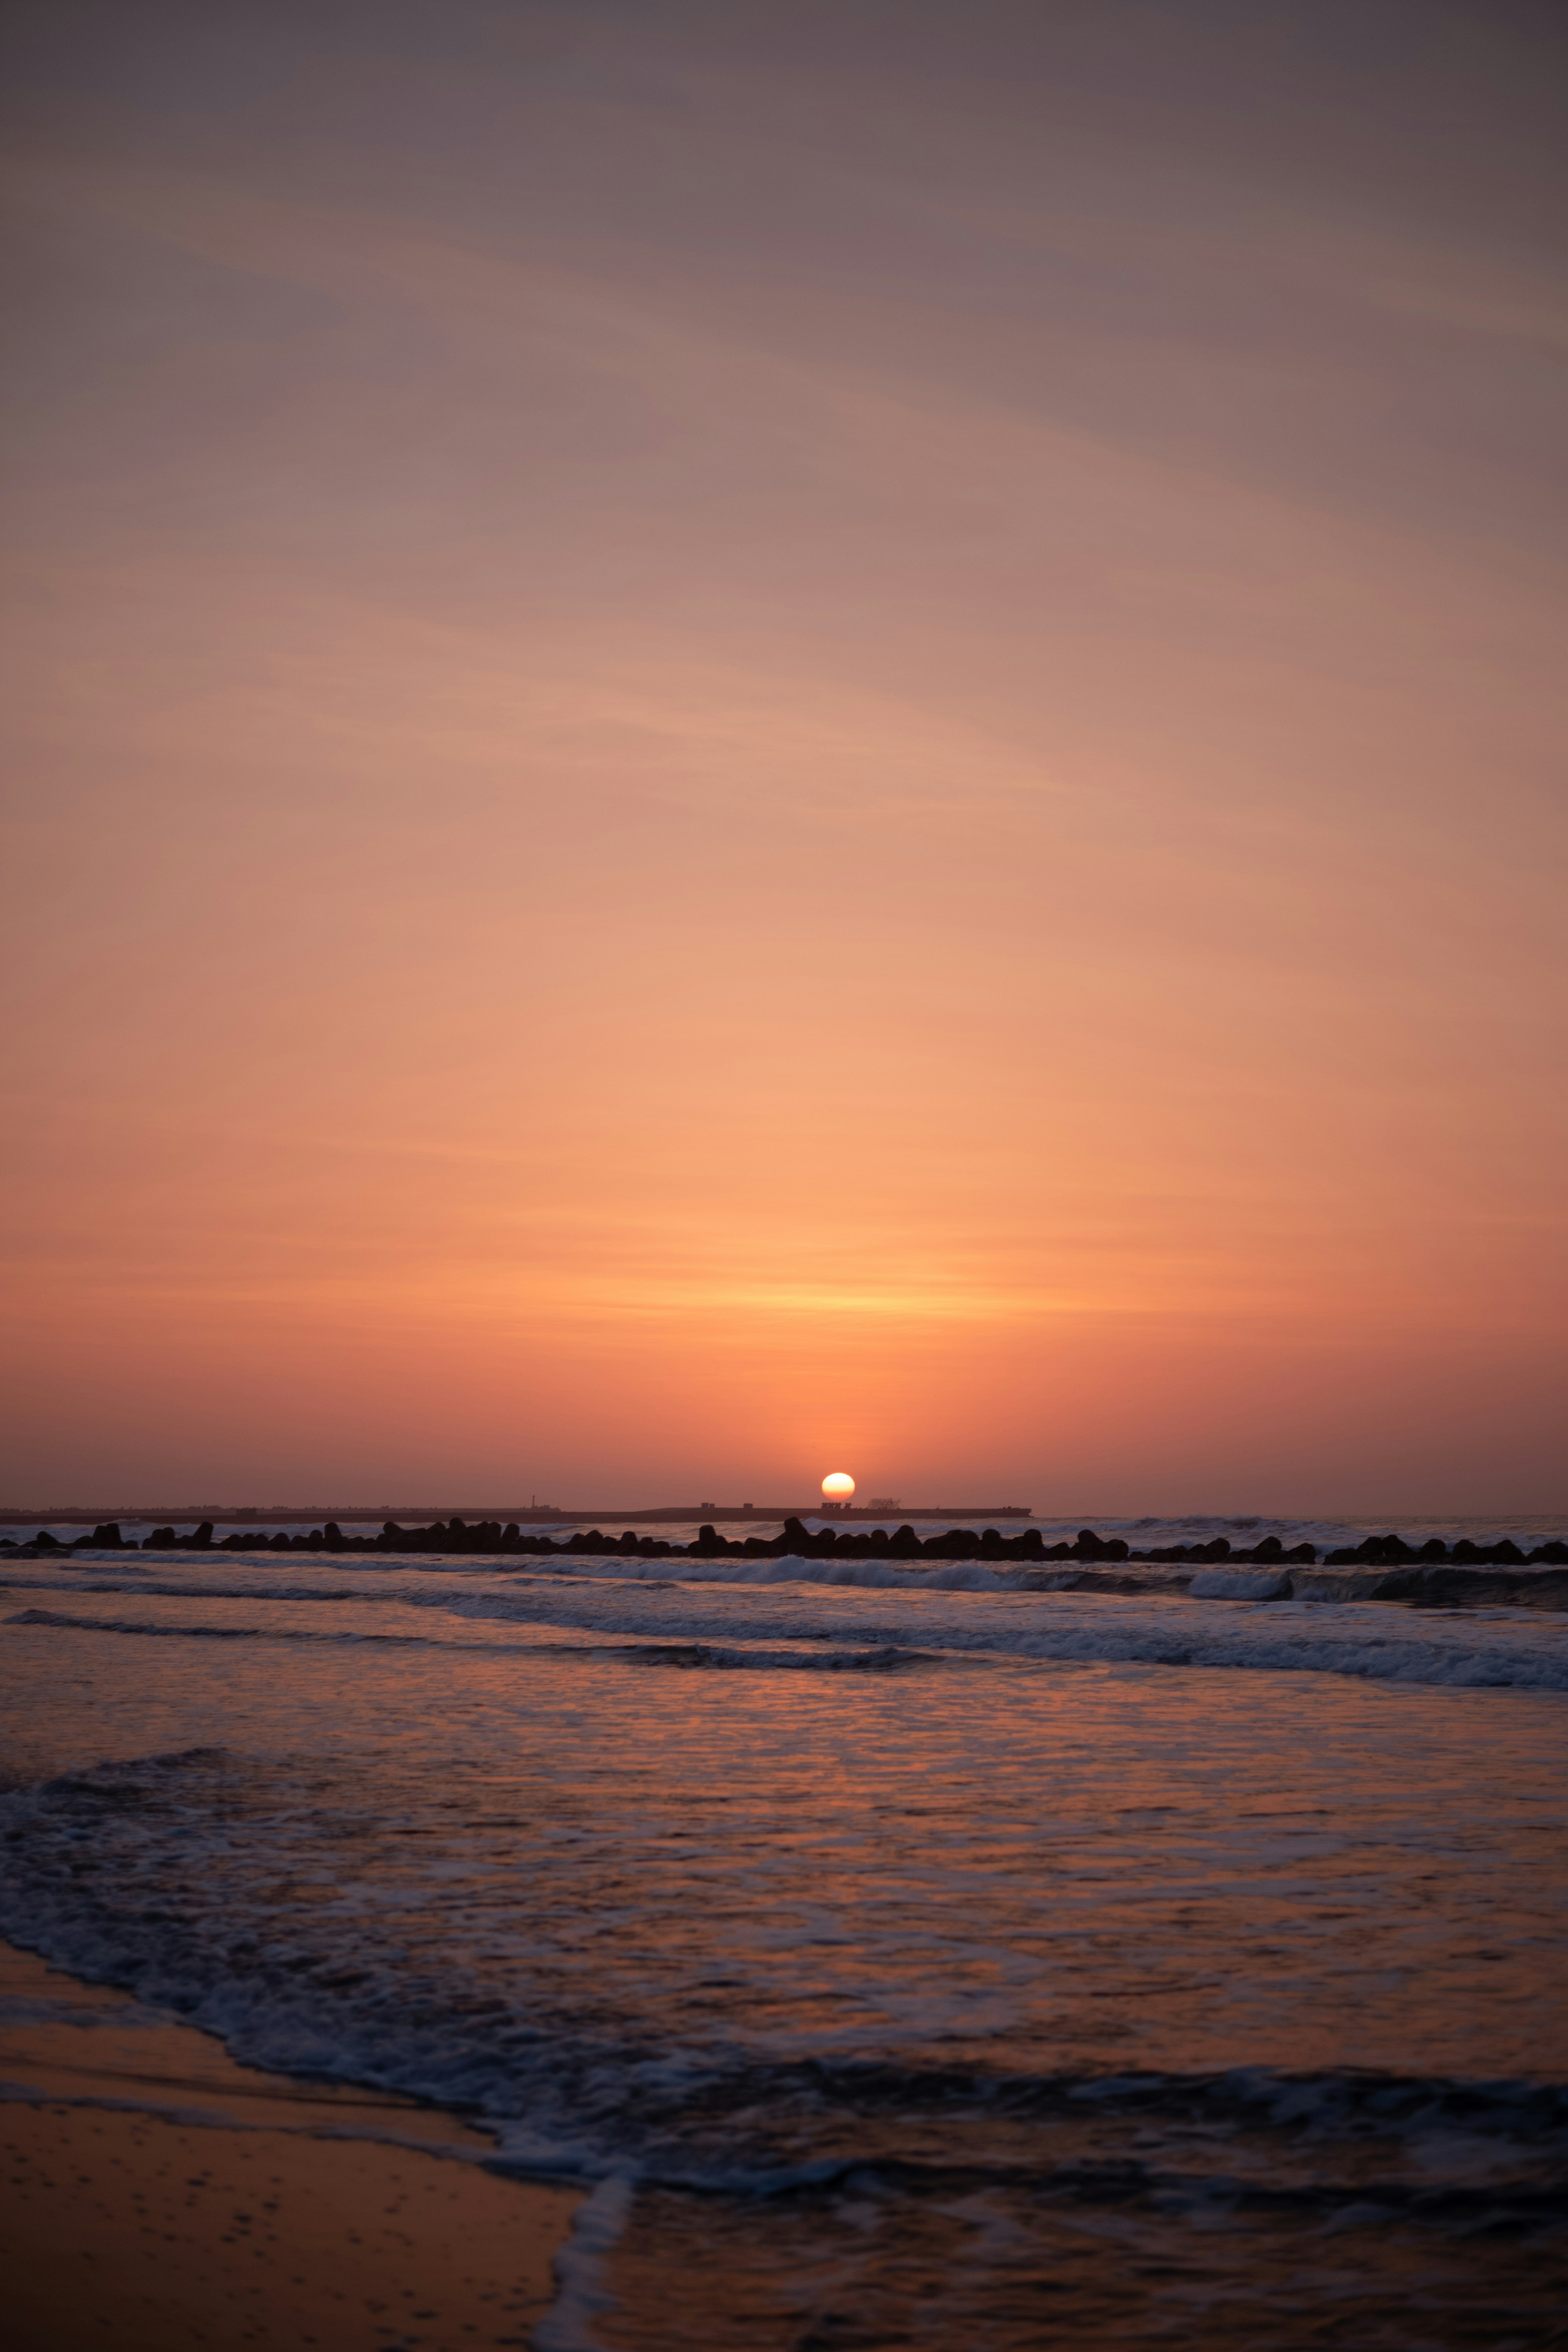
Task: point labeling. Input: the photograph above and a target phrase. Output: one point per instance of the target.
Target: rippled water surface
(926, 1963)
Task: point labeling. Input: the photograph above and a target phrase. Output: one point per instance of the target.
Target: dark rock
(1382, 1547)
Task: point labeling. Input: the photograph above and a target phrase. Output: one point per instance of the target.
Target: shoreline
(161, 2195)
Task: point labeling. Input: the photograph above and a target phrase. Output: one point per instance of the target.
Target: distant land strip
(473, 1514)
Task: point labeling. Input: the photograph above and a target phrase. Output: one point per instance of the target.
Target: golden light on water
(838, 1487)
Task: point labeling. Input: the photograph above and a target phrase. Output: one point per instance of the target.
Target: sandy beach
(159, 2196)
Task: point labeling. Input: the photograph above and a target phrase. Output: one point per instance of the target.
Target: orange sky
(751, 740)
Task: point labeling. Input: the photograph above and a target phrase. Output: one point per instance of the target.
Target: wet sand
(157, 2196)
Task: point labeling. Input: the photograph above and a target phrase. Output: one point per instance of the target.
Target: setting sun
(838, 1487)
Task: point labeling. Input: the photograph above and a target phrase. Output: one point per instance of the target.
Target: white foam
(582, 2290)
(825, 1607)
(1378, 1641)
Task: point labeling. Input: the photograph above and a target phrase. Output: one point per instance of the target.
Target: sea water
(898, 1956)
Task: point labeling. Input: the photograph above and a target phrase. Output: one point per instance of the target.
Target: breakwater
(1381, 1568)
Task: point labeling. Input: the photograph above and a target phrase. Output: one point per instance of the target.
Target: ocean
(898, 1956)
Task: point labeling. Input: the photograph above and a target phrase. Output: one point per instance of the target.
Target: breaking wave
(783, 1613)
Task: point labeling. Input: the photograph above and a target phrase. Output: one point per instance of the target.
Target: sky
(757, 739)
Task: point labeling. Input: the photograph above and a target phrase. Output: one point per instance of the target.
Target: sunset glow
(650, 828)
